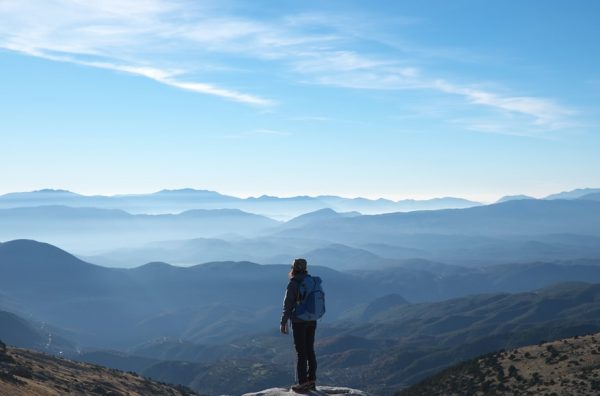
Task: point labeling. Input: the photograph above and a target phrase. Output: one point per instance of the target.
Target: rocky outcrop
(28, 373)
(321, 391)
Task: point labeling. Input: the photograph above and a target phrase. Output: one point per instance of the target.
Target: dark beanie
(300, 265)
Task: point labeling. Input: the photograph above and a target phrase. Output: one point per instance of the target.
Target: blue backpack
(311, 299)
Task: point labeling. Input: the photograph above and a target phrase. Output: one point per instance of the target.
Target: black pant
(304, 341)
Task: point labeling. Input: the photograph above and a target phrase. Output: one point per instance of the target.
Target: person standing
(303, 330)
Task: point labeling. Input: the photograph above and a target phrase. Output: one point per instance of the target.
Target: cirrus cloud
(176, 42)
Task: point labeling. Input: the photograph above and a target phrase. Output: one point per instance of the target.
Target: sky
(393, 99)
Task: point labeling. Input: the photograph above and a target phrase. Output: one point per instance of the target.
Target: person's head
(298, 267)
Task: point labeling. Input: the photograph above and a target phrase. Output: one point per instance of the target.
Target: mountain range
(397, 346)
(579, 193)
(191, 325)
(121, 308)
(176, 201)
(516, 230)
(520, 217)
(408, 293)
(280, 208)
(405, 343)
(90, 228)
(459, 250)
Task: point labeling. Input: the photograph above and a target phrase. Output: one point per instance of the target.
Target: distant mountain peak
(28, 252)
(265, 197)
(573, 194)
(319, 215)
(55, 191)
(154, 264)
(321, 211)
(595, 196)
(29, 244)
(226, 265)
(181, 191)
(47, 192)
(513, 198)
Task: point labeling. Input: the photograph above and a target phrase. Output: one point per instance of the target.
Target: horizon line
(369, 197)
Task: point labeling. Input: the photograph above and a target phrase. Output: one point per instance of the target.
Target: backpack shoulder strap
(298, 284)
(299, 296)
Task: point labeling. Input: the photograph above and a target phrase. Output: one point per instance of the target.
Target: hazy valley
(195, 298)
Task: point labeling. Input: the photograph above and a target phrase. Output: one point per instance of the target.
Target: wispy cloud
(121, 33)
(170, 78)
(541, 112)
(164, 76)
(544, 112)
(148, 37)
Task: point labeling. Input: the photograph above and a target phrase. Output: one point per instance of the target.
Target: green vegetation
(545, 370)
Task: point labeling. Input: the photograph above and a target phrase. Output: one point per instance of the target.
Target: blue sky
(395, 99)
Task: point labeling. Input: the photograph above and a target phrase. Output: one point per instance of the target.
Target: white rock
(321, 391)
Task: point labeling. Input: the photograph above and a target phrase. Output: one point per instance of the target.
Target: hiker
(303, 303)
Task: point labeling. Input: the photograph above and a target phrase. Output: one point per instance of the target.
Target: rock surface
(321, 391)
(28, 373)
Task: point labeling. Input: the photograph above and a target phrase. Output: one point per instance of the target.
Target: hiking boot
(313, 385)
(302, 387)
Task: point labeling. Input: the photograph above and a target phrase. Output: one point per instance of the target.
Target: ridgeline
(24, 372)
(569, 366)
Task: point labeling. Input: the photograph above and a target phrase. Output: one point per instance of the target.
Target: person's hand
(283, 328)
